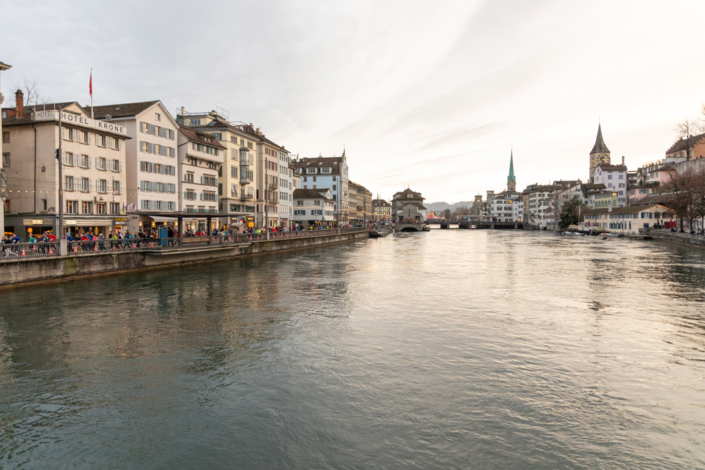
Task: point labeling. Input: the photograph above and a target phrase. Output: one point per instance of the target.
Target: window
(67, 159)
(84, 161)
(209, 180)
(100, 163)
(195, 122)
(233, 172)
(102, 186)
(117, 187)
(188, 178)
(157, 116)
(68, 184)
(6, 160)
(609, 177)
(220, 189)
(114, 165)
(233, 190)
(114, 207)
(85, 185)
(100, 208)
(5, 137)
(72, 207)
(190, 195)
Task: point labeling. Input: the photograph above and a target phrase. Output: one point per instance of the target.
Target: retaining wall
(42, 269)
(678, 237)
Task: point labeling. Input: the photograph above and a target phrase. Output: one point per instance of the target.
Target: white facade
(539, 212)
(313, 208)
(614, 177)
(327, 173)
(286, 189)
(201, 157)
(151, 157)
(506, 207)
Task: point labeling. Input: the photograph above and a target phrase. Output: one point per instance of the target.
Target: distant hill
(441, 206)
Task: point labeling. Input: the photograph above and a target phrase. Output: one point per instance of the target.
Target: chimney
(622, 159)
(183, 111)
(19, 104)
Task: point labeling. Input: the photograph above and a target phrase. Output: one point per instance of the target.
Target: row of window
(158, 187)
(156, 149)
(312, 212)
(211, 165)
(77, 135)
(84, 184)
(91, 208)
(151, 129)
(158, 205)
(206, 149)
(149, 167)
(86, 161)
(312, 171)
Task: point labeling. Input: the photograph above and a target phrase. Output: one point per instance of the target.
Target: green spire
(511, 177)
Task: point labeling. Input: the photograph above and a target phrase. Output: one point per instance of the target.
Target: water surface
(449, 349)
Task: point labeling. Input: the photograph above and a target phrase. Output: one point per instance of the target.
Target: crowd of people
(86, 240)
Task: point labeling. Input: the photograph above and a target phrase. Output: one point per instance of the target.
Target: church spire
(511, 179)
(599, 146)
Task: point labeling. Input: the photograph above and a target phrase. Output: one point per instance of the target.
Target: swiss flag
(90, 84)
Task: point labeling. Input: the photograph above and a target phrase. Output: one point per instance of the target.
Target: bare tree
(32, 93)
(688, 134)
(698, 196)
(679, 195)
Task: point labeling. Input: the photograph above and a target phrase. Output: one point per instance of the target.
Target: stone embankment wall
(42, 269)
(678, 237)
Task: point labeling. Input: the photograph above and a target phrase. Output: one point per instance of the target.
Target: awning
(163, 219)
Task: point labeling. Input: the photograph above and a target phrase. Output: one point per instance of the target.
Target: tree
(461, 212)
(446, 214)
(32, 94)
(688, 134)
(679, 195)
(572, 212)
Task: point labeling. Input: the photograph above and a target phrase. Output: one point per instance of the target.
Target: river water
(449, 349)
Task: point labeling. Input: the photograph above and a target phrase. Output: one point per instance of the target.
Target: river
(449, 349)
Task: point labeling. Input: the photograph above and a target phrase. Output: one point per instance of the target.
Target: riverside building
(200, 160)
(330, 173)
(151, 165)
(93, 167)
(313, 207)
(3, 179)
(237, 179)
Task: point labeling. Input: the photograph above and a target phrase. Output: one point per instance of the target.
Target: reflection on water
(449, 349)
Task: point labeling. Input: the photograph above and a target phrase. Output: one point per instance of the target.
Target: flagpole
(92, 93)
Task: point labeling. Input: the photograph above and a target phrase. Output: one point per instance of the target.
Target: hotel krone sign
(70, 118)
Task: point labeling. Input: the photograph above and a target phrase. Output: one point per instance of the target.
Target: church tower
(511, 179)
(600, 154)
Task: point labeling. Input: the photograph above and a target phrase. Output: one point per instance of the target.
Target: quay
(41, 262)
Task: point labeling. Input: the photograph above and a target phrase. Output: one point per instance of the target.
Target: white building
(3, 183)
(201, 157)
(286, 189)
(506, 207)
(313, 207)
(329, 173)
(614, 177)
(92, 165)
(537, 207)
(151, 163)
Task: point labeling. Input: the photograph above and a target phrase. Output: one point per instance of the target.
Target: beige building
(359, 203)
(382, 210)
(628, 219)
(201, 159)
(93, 166)
(237, 179)
(3, 184)
(151, 164)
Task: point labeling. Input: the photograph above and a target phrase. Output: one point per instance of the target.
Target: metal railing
(29, 250)
(20, 251)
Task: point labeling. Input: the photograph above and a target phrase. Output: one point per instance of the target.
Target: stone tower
(600, 154)
(511, 179)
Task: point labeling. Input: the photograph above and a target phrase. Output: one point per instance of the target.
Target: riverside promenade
(25, 262)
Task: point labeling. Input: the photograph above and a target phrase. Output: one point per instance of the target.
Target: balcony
(247, 196)
(245, 160)
(245, 179)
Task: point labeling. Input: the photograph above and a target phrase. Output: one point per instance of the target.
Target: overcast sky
(420, 93)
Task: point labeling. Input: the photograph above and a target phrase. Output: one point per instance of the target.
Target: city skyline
(438, 109)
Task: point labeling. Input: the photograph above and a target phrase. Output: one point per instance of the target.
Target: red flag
(90, 84)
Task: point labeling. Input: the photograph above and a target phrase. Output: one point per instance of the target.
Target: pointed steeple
(511, 176)
(599, 146)
(511, 179)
